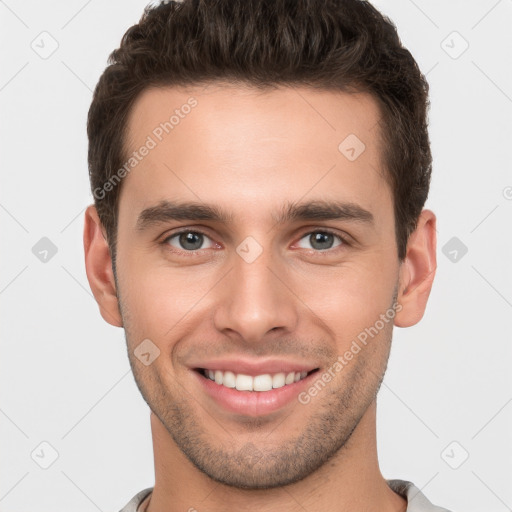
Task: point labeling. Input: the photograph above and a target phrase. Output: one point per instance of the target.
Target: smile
(253, 395)
(263, 382)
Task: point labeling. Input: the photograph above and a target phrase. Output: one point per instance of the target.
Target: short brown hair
(343, 45)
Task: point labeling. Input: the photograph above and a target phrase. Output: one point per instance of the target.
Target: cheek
(160, 300)
(351, 298)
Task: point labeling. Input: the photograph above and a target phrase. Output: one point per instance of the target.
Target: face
(251, 242)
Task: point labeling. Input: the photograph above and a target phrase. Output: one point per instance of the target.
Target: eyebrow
(195, 211)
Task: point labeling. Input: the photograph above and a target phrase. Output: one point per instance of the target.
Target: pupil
(321, 240)
(191, 238)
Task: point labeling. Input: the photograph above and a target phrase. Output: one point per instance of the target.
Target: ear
(417, 271)
(98, 266)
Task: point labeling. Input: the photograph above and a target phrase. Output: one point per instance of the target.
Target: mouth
(252, 395)
(258, 383)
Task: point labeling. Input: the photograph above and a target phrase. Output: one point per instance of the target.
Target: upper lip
(255, 367)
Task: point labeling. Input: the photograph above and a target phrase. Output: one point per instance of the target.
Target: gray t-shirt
(416, 500)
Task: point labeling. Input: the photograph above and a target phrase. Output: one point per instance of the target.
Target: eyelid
(186, 230)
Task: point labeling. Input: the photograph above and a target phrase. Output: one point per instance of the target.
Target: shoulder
(416, 500)
(134, 503)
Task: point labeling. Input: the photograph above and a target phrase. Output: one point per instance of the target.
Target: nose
(256, 298)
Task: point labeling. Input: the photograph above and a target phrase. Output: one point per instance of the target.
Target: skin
(252, 152)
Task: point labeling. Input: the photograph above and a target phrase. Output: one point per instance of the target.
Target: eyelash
(320, 253)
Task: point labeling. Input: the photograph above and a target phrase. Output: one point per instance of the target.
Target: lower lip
(253, 403)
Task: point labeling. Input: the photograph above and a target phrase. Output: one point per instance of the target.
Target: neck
(349, 481)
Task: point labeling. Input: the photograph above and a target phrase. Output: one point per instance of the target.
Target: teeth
(290, 378)
(278, 380)
(264, 382)
(244, 382)
(229, 379)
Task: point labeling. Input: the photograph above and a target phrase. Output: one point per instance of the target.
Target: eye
(321, 240)
(188, 241)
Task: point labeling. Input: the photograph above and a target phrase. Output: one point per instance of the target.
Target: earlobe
(417, 271)
(98, 265)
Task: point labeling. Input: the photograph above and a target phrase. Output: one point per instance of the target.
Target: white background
(65, 377)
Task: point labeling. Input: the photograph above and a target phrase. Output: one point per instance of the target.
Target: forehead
(246, 146)
(291, 112)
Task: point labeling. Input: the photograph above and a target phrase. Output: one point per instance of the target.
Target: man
(259, 169)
